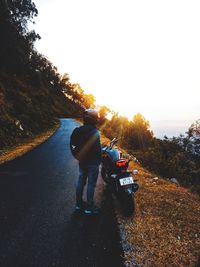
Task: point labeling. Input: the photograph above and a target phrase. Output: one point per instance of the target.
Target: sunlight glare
(134, 56)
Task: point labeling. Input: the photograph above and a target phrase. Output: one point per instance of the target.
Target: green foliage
(139, 135)
(16, 42)
(170, 158)
(134, 134)
(192, 142)
(194, 130)
(103, 111)
(19, 13)
(89, 101)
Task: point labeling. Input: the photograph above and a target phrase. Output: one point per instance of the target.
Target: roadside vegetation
(177, 157)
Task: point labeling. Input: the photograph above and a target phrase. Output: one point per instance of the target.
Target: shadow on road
(94, 240)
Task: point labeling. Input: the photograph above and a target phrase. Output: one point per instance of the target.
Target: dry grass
(20, 149)
(165, 229)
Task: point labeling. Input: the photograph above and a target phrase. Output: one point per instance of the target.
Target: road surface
(38, 226)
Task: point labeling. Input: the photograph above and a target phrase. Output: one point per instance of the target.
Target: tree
(16, 41)
(19, 13)
(103, 111)
(140, 122)
(193, 144)
(139, 134)
(194, 130)
(89, 101)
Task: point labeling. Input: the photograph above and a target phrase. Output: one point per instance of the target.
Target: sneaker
(92, 210)
(80, 207)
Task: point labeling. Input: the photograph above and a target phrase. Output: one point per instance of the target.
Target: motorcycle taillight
(121, 163)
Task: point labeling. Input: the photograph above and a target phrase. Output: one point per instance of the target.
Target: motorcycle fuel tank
(113, 154)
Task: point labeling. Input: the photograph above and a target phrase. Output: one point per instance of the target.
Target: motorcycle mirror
(135, 172)
(113, 142)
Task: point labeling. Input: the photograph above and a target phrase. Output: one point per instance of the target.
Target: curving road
(38, 226)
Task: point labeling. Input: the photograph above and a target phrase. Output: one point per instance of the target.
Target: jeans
(87, 174)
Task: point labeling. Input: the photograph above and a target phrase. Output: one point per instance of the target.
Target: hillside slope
(31, 89)
(27, 110)
(165, 229)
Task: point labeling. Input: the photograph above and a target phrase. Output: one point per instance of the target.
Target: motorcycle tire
(127, 203)
(104, 175)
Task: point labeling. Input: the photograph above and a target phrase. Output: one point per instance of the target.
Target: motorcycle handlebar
(112, 143)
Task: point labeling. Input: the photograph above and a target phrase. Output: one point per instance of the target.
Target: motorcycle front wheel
(127, 203)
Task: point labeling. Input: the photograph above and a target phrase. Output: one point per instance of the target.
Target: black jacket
(92, 146)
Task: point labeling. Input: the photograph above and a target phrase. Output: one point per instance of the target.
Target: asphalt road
(38, 226)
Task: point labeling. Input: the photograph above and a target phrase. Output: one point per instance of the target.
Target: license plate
(126, 180)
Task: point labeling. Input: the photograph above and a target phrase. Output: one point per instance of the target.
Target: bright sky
(134, 56)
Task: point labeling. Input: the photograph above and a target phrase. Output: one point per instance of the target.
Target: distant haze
(170, 128)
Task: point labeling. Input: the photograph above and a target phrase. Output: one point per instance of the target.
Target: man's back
(88, 144)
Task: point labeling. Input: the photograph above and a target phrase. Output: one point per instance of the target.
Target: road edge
(24, 147)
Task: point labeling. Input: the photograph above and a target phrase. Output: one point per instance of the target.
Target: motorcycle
(116, 175)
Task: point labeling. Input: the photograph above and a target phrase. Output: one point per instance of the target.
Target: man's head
(90, 116)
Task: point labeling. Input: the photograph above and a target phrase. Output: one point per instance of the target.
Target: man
(85, 146)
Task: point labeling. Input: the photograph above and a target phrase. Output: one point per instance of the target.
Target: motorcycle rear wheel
(104, 175)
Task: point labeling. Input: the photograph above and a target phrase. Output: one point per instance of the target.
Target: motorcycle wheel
(127, 203)
(104, 175)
